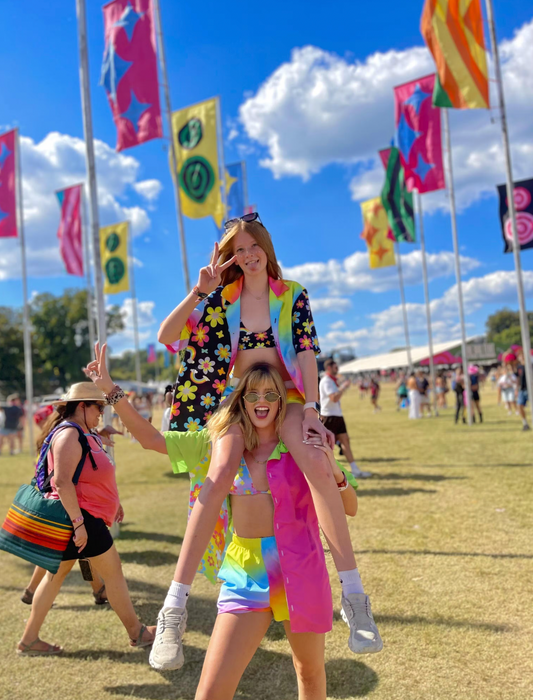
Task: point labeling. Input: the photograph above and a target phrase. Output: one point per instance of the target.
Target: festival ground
(443, 540)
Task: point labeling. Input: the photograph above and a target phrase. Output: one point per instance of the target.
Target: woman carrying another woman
(269, 571)
(240, 313)
(92, 505)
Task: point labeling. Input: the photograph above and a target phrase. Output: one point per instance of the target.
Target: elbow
(162, 336)
(351, 510)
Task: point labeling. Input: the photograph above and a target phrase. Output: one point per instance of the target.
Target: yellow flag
(376, 234)
(114, 253)
(194, 130)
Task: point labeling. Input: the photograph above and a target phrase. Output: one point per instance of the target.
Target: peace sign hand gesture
(97, 370)
(210, 277)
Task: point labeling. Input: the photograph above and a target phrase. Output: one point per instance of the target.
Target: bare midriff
(253, 516)
(247, 358)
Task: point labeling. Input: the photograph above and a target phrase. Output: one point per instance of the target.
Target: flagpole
(244, 184)
(173, 157)
(28, 364)
(94, 223)
(138, 375)
(404, 308)
(86, 249)
(524, 323)
(426, 297)
(221, 163)
(451, 189)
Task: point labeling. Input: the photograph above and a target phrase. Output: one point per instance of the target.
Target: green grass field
(444, 546)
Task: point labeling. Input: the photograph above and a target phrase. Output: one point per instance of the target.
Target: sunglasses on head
(101, 406)
(270, 396)
(254, 216)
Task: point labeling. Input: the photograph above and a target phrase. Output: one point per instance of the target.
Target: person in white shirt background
(331, 412)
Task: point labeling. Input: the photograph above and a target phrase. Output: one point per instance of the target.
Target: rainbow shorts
(252, 578)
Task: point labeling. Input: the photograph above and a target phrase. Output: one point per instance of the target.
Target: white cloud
(320, 108)
(330, 305)
(146, 320)
(353, 274)
(148, 189)
(56, 162)
(337, 325)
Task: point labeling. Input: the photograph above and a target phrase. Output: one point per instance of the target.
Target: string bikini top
(248, 340)
(243, 484)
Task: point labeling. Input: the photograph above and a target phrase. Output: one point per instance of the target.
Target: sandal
(100, 597)
(27, 649)
(139, 643)
(27, 597)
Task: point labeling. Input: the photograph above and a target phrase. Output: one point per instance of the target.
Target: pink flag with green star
(418, 135)
(129, 71)
(8, 190)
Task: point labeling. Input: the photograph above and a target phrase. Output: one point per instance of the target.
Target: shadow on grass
(127, 534)
(364, 492)
(392, 476)
(270, 675)
(171, 475)
(149, 557)
(428, 552)
(379, 460)
(440, 622)
(462, 465)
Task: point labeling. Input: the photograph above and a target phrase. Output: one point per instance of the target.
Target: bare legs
(39, 573)
(344, 440)
(235, 640)
(225, 460)
(326, 496)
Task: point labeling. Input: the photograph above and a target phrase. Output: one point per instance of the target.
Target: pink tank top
(96, 490)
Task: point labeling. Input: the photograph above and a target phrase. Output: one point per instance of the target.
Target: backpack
(42, 478)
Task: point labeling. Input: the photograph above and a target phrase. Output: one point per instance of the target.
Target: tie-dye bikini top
(249, 340)
(243, 484)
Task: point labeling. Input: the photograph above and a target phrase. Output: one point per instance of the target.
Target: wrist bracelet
(343, 488)
(114, 395)
(78, 520)
(343, 484)
(77, 528)
(199, 294)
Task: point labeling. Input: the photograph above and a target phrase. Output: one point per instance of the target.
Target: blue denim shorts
(522, 397)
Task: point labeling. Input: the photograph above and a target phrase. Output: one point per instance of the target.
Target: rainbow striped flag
(453, 31)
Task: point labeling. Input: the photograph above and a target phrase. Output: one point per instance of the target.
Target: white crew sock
(177, 595)
(351, 582)
(354, 467)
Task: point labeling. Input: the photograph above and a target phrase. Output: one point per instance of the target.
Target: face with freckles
(251, 258)
(262, 413)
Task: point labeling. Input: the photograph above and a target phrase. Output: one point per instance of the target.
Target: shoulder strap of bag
(85, 450)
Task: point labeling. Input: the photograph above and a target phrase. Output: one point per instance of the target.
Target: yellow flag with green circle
(194, 130)
(114, 254)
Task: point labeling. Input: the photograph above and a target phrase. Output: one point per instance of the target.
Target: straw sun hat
(82, 391)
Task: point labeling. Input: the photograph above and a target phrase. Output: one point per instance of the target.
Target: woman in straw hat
(92, 505)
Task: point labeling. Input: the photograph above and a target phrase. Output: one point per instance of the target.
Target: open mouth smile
(261, 411)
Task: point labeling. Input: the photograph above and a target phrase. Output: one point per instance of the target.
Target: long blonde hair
(233, 412)
(261, 236)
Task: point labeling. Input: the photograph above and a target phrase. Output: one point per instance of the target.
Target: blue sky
(306, 101)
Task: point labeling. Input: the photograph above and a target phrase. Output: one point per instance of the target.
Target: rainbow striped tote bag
(36, 529)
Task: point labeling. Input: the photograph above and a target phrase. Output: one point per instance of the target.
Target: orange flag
(376, 233)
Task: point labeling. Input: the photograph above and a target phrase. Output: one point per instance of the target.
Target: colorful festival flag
(8, 187)
(166, 358)
(397, 201)
(418, 135)
(250, 209)
(453, 32)
(114, 253)
(151, 354)
(523, 199)
(70, 229)
(376, 234)
(194, 131)
(129, 71)
(235, 188)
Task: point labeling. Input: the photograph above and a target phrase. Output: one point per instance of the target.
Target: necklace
(253, 295)
(257, 461)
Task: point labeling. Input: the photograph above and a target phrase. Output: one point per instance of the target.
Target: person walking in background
(414, 397)
(473, 371)
(401, 391)
(374, 394)
(167, 403)
(423, 389)
(39, 573)
(507, 385)
(13, 414)
(458, 385)
(331, 412)
(522, 390)
(441, 388)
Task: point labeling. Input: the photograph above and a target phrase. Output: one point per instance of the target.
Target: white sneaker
(359, 474)
(167, 649)
(364, 636)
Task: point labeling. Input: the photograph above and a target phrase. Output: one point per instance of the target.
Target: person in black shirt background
(12, 416)
(522, 390)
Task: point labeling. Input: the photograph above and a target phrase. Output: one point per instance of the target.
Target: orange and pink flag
(8, 190)
(129, 71)
(418, 135)
(70, 231)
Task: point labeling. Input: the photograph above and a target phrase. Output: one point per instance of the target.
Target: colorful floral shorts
(293, 395)
(252, 578)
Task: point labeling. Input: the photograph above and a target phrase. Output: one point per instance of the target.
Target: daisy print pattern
(207, 365)
(215, 316)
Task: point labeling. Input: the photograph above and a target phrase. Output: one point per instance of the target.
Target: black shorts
(475, 395)
(335, 423)
(99, 539)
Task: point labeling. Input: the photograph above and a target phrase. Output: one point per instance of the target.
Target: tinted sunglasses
(254, 397)
(254, 216)
(101, 406)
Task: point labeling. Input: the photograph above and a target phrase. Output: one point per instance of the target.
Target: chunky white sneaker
(167, 649)
(364, 636)
(358, 474)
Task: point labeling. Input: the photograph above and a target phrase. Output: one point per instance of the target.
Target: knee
(310, 675)
(316, 465)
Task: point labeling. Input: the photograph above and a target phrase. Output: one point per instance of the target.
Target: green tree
(503, 328)
(123, 367)
(11, 351)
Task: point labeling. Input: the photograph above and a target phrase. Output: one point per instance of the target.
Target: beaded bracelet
(78, 520)
(115, 395)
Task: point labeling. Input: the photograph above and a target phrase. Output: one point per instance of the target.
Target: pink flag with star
(8, 190)
(418, 135)
(129, 71)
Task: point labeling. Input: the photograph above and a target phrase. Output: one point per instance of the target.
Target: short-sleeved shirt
(521, 373)
(327, 406)
(13, 415)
